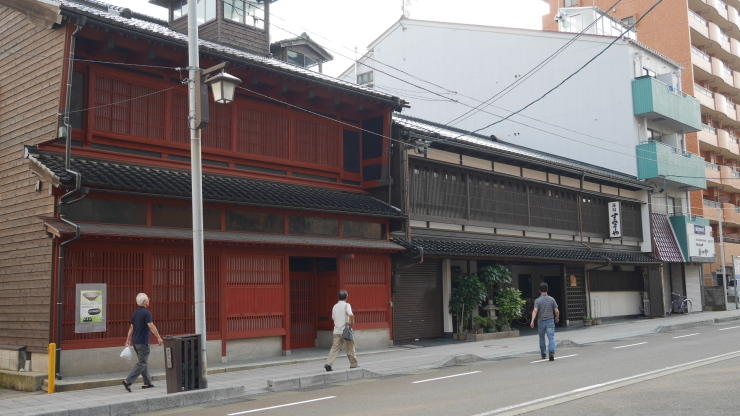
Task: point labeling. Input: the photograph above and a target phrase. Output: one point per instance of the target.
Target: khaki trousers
(336, 346)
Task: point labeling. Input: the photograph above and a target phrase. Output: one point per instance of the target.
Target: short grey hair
(141, 298)
(342, 295)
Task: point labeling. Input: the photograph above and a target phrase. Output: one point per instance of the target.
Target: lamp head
(223, 87)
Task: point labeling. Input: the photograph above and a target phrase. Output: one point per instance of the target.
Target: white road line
(557, 358)
(631, 345)
(440, 378)
(684, 336)
(282, 405)
(596, 386)
(732, 327)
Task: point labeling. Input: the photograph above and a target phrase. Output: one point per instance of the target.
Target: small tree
(493, 277)
(467, 295)
(510, 303)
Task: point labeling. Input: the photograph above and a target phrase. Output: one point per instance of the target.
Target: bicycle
(679, 303)
(524, 319)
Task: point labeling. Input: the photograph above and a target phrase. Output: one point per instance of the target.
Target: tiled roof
(523, 252)
(427, 128)
(57, 227)
(666, 246)
(99, 11)
(159, 181)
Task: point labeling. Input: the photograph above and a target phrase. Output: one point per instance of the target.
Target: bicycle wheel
(686, 306)
(670, 309)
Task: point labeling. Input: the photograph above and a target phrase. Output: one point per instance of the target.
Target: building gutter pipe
(63, 201)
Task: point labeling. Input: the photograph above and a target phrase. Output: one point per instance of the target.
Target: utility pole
(722, 254)
(197, 191)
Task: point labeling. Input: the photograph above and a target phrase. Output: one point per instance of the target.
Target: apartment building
(702, 36)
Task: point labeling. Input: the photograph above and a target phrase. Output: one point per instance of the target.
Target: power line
(9, 52)
(571, 75)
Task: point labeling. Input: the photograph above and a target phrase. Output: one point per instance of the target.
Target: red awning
(666, 246)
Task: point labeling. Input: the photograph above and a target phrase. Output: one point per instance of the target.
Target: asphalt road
(695, 372)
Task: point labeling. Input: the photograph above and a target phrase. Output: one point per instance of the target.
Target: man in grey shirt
(547, 314)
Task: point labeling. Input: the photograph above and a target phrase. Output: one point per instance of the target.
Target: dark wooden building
(289, 168)
(475, 201)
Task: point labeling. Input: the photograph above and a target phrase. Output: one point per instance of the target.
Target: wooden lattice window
(632, 219)
(173, 304)
(264, 134)
(553, 208)
(216, 135)
(126, 108)
(438, 192)
(317, 144)
(124, 275)
(255, 296)
(366, 280)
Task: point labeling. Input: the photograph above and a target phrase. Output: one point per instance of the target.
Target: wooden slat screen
(317, 143)
(497, 200)
(180, 131)
(218, 133)
(575, 296)
(262, 133)
(553, 208)
(255, 296)
(631, 219)
(127, 108)
(124, 274)
(438, 192)
(173, 304)
(367, 282)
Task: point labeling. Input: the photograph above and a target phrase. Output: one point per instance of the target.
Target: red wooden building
(289, 169)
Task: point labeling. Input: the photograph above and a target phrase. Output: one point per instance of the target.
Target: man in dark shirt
(547, 314)
(138, 335)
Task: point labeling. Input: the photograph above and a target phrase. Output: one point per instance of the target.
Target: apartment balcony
(673, 166)
(701, 60)
(714, 176)
(727, 144)
(697, 22)
(717, 11)
(711, 211)
(730, 178)
(719, 69)
(725, 106)
(705, 96)
(664, 105)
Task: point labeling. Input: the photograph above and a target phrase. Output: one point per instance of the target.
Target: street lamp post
(223, 89)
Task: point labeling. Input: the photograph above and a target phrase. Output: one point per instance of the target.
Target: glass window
(368, 230)
(313, 226)
(255, 222)
(310, 62)
(628, 21)
(365, 78)
(179, 9)
(571, 3)
(176, 216)
(107, 212)
(295, 58)
(247, 12)
(648, 72)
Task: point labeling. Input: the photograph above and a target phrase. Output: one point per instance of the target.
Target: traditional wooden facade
(475, 201)
(289, 167)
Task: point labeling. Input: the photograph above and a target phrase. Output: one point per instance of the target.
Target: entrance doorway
(312, 280)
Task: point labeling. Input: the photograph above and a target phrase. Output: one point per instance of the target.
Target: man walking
(547, 314)
(139, 333)
(342, 315)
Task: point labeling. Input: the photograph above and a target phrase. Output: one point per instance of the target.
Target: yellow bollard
(51, 386)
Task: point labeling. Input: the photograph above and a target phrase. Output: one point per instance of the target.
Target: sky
(342, 25)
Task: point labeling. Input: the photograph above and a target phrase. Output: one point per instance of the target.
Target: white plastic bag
(126, 354)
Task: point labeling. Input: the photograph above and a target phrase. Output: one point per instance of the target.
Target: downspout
(80, 21)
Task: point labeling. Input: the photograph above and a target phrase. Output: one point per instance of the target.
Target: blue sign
(699, 230)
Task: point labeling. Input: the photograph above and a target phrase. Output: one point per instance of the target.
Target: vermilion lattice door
(302, 310)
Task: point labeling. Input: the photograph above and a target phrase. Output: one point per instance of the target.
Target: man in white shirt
(342, 315)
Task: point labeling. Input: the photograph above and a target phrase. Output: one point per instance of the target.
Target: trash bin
(182, 363)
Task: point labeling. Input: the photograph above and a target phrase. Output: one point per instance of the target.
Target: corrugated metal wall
(417, 303)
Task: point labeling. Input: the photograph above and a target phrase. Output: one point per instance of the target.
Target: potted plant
(587, 321)
(487, 324)
(467, 295)
(492, 277)
(510, 305)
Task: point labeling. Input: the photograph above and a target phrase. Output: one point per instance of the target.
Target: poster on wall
(701, 243)
(615, 220)
(736, 267)
(90, 308)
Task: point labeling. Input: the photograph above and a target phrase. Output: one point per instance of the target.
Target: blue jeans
(549, 327)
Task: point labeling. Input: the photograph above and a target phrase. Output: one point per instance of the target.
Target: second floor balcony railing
(709, 129)
(698, 18)
(712, 204)
(712, 166)
(702, 90)
(701, 54)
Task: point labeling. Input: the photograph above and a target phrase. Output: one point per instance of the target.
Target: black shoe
(544, 356)
(127, 386)
(552, 356)
(328, 367)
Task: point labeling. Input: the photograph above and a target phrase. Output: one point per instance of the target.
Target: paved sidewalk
(239, 380)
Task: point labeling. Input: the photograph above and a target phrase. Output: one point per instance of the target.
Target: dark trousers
(142, 367)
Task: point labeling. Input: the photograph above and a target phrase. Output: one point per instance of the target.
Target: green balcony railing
(658, 160)
(663, 104)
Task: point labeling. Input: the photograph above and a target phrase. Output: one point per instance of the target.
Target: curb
(332, 377)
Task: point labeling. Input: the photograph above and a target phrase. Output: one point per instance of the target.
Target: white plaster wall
(694, 285)
(615, 304)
